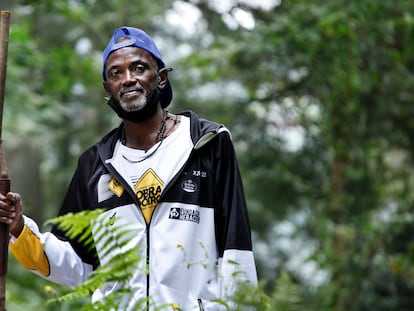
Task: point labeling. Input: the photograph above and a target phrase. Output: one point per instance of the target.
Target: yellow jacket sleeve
(29, 251)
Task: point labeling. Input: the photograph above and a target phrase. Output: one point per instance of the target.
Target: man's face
(131, 75)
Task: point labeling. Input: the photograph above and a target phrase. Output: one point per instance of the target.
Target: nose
(129, 78)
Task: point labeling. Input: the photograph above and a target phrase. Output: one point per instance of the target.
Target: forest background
(318, 96)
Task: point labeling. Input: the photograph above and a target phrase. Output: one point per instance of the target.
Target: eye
(114, 74)
(138, 68)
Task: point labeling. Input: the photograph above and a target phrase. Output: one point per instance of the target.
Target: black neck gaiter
(137, 116)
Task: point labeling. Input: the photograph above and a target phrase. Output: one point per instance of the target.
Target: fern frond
(121, 260)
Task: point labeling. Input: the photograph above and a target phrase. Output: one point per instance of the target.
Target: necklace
(159, 139)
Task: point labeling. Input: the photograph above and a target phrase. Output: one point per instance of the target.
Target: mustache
(135, 88)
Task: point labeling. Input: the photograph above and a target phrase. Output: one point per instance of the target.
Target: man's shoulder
(201, 124)
(204, 131)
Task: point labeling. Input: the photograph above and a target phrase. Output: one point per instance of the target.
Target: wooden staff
(4, 177)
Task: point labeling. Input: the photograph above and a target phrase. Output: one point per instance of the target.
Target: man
(172, 179)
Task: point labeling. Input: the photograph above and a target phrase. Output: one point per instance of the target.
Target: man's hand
(11, 212)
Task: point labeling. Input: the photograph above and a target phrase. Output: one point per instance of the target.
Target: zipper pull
(200, 304)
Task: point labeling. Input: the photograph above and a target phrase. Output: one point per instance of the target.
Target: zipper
(147, 262)
(200, 304)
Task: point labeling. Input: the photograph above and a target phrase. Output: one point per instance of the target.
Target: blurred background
(318, 95)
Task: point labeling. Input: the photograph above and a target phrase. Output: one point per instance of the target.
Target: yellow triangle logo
(148, 190)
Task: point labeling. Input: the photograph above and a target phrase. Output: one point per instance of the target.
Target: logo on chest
(148, 190)
(185, 214)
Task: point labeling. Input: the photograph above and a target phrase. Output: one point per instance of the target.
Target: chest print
(148, 190)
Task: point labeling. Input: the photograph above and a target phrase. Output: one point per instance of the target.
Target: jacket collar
(202, 131)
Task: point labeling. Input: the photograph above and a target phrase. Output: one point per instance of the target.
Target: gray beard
(137, 116)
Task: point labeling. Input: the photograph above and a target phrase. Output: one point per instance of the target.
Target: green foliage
(284, 296)
(26, 290)
(90, 230)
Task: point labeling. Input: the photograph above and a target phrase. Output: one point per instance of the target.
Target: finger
(13, 197)
(7, 216)
(6, 220)
(5, 205)
(4, 198)
(8, 211)
(7, 202)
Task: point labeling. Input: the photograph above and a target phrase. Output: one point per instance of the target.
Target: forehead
(127, 55)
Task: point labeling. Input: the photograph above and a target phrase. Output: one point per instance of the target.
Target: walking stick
(4, 178)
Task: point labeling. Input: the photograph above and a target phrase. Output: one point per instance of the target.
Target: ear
(163, 77)
(106, 87)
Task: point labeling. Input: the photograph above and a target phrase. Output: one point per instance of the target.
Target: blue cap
(139, 39)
